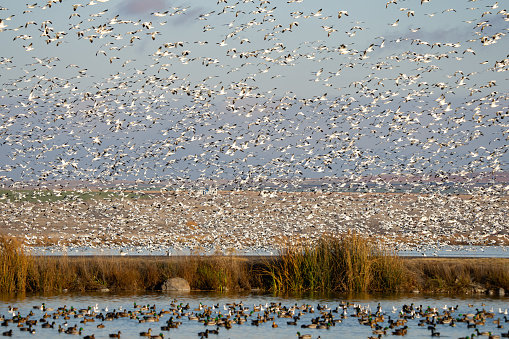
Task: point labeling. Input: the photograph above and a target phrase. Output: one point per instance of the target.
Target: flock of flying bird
(251, 92)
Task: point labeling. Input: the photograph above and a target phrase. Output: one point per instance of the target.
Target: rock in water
(176, 284)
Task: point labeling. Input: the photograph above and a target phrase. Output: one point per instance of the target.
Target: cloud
(143, 7)
(189, 17)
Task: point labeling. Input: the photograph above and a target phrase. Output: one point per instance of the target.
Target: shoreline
(248, 258)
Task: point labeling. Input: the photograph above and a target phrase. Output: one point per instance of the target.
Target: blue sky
(217, 89)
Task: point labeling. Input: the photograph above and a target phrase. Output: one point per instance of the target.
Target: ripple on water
(348, 328)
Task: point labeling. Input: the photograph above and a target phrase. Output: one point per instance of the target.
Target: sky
(162, 89)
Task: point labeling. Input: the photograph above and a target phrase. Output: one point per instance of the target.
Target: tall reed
(348, 263)
(460, 275)
(215, 272)
(14, 265)
(22, 272)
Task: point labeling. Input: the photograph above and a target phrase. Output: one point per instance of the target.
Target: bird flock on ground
(253, 92)
(238, 222)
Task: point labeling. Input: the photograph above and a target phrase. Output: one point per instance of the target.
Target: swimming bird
(304, 336)
(74, 330)
(146, 334)
(204, 334)
(485, 333)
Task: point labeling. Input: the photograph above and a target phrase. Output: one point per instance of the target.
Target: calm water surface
(459, 251)
(348, 328)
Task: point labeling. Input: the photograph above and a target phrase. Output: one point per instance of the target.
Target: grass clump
(348, 263)
(215, 272)
(136, 273)
(14, 265)
(22, 272)
(460, 275)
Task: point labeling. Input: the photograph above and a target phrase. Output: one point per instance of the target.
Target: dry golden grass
(22, 272)
(350, 263)
(136, 273)
(458, 275)
(14, 265)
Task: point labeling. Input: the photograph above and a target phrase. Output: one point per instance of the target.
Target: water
(348, 328)
(461, 251)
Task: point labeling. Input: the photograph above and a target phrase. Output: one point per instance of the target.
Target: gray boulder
(176, 284)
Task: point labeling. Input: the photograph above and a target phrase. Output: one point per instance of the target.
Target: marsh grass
(21, 272)
(348, 263)
(215, 272)
(14, 265)
(136, 273)
(460, 275)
